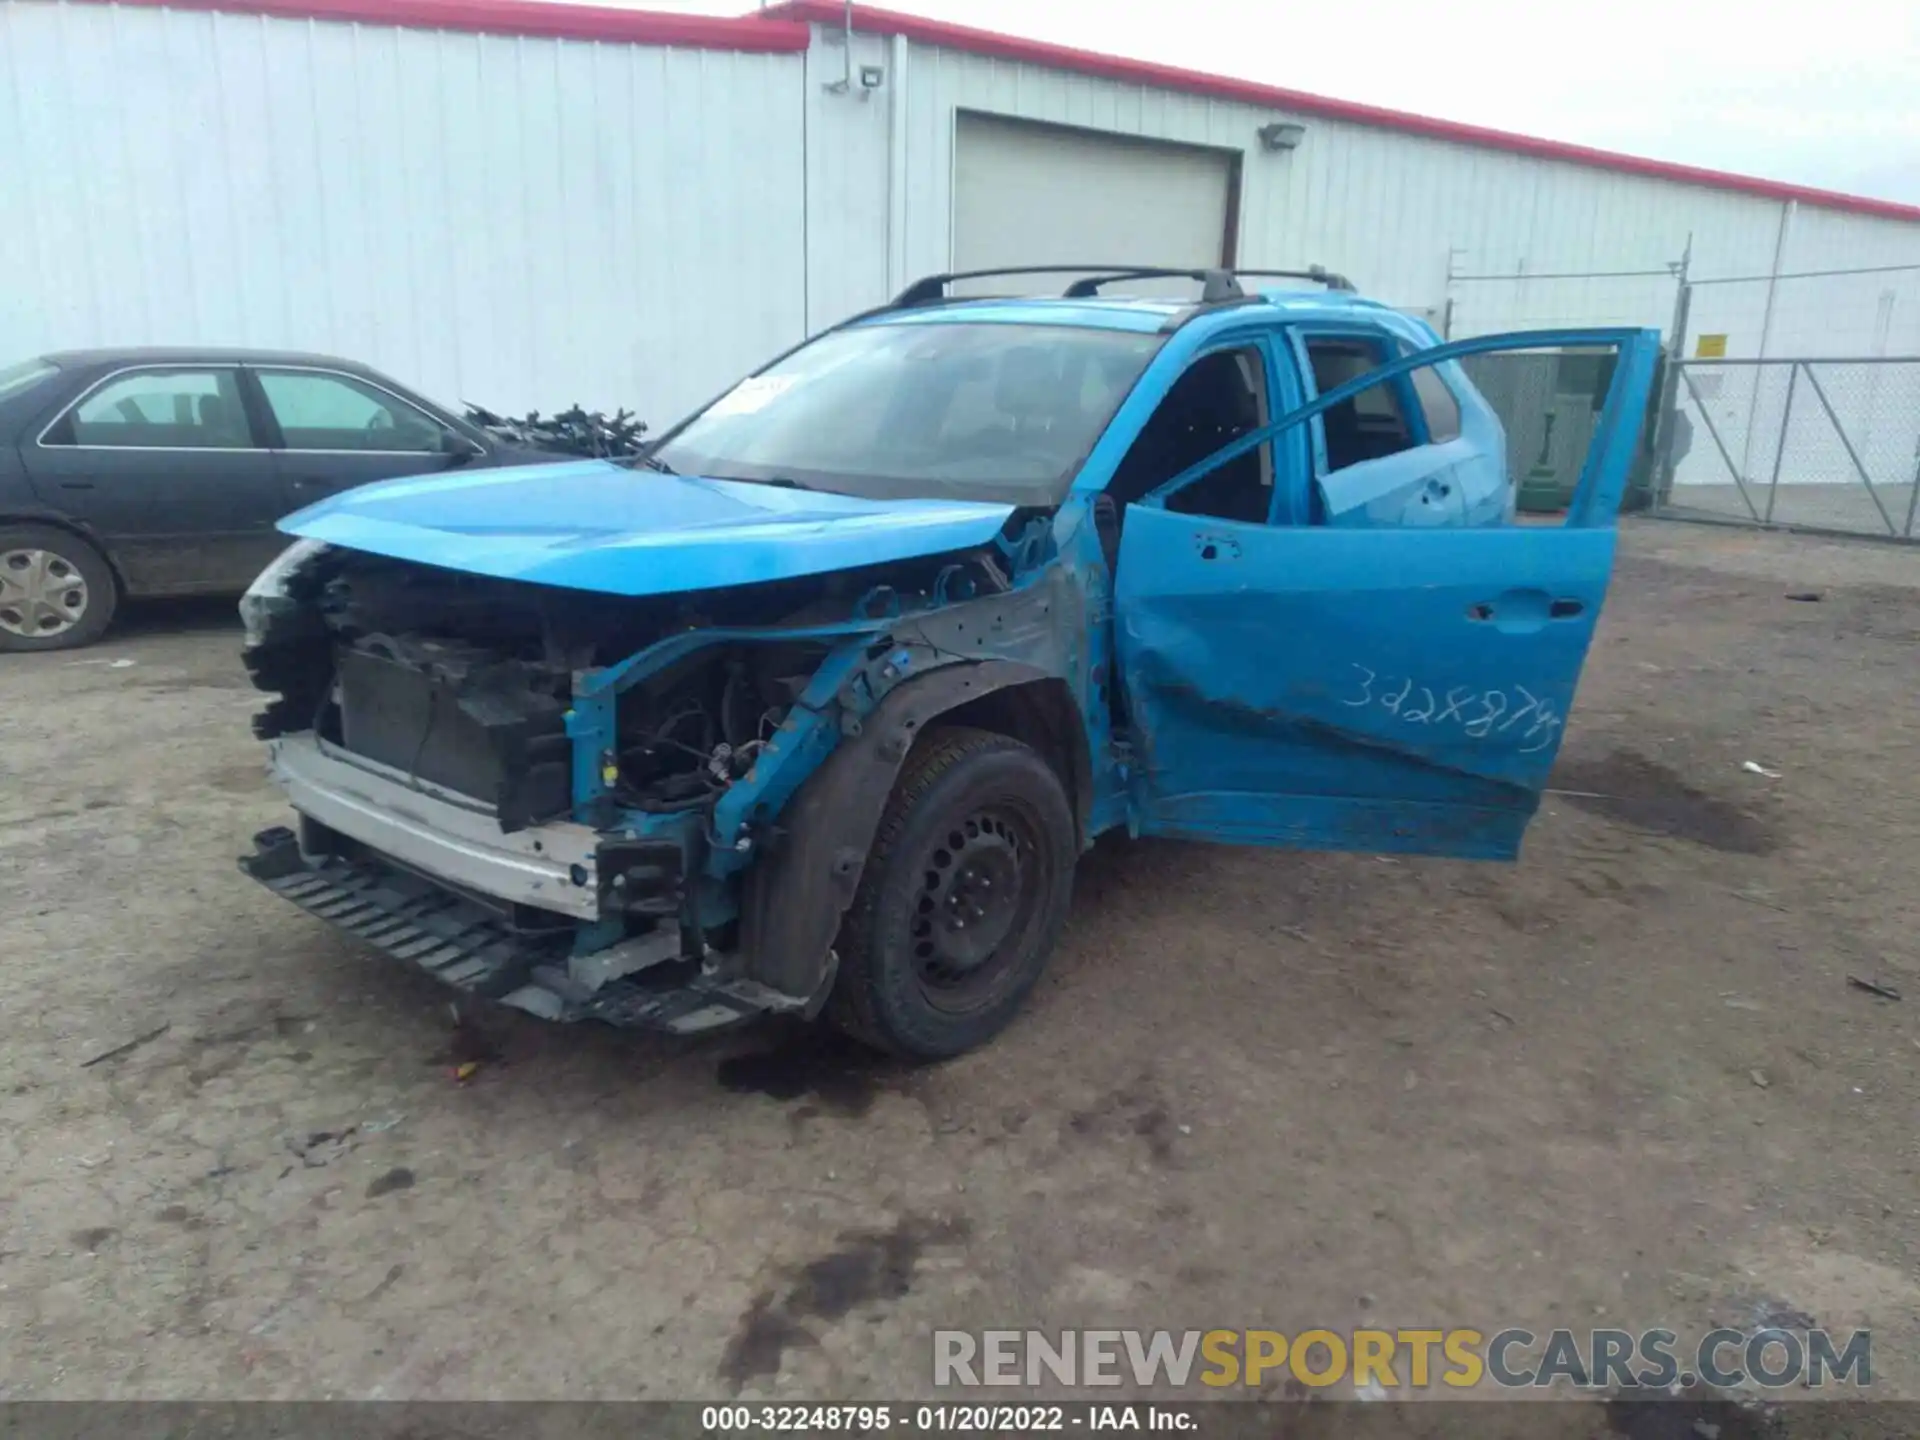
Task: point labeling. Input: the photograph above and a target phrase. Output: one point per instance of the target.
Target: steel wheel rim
(42, 593)
(980, 889)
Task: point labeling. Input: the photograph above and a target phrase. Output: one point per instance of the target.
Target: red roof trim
(1169, 77)
(525, 17)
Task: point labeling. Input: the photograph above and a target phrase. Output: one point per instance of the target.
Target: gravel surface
(1625, 1082)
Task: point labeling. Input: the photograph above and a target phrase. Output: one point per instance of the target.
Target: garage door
(1027, 194)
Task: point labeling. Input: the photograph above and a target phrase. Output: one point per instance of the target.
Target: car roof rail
(1218, 284)
(929, 289)
(1332, 279)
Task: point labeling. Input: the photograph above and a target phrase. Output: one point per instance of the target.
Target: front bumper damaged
(433, 881)
(552, 867)
(473, 948)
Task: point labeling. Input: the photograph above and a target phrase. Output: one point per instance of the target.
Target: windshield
(977, 411)
(24, 376)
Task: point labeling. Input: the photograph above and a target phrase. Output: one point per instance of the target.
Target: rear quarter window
(1437, 405)
(1369, 425)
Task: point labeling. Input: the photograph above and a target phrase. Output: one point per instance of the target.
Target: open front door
(1387, 688)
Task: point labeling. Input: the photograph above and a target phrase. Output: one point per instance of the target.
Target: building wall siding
(1396, 212)
(529, 222)
(512, 220)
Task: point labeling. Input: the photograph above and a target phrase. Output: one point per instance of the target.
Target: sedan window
(335, 412)
(159, 410)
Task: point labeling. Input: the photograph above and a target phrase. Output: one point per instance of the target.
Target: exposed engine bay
(592, 805)
(462, 682)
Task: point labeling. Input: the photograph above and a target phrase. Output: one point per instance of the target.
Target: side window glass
(334, 412)
(159, 410)
(1221, 397)
(1437, 405)
(1371, 424)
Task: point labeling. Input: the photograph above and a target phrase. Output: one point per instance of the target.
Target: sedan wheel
(56, 591)
(42, 594)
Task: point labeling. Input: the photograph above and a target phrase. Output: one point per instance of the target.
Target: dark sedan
(161, 472)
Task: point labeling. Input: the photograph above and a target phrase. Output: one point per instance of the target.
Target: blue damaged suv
(813, 709)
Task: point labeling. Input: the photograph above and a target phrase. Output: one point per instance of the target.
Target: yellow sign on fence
(1710, 347)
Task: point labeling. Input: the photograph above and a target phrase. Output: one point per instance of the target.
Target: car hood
(592, 525)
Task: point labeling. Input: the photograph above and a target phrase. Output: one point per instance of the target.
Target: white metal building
(527, 205)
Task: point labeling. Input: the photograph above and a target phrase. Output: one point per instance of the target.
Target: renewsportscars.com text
(1402, 1359)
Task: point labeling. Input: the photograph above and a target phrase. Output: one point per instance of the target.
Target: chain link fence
(1786, 399)
(1796, 402)
(1830, 445)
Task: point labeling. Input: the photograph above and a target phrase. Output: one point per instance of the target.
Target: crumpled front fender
(793, 898)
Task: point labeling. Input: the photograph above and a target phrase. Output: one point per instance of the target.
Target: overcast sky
(1829, 98)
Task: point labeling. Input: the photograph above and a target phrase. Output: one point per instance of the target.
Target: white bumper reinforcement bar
(549, 866)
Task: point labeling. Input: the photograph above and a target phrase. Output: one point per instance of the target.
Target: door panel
(1413, 487)
(310, 476)
(163, 464)
(1352, 689)
(1394, 688)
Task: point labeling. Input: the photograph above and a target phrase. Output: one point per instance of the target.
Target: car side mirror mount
(453, 443)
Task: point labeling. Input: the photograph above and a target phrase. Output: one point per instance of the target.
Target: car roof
(197, 354)
(1145, 314)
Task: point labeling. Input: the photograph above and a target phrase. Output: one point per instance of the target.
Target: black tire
(969, 807)
(24, 625)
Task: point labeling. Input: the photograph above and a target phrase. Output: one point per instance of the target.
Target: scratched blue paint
(590, 722)
(804, 739)
(591, 727)
(594, 525)
(1079, 548)
(1366, 688)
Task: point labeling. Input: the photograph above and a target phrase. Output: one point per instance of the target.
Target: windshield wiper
(783, 482)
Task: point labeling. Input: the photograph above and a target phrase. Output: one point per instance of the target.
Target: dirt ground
(1625, 1082)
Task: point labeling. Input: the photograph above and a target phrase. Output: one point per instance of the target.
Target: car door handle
(76, 484)
(1518, 611)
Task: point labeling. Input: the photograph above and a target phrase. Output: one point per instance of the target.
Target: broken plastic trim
(469, 947)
